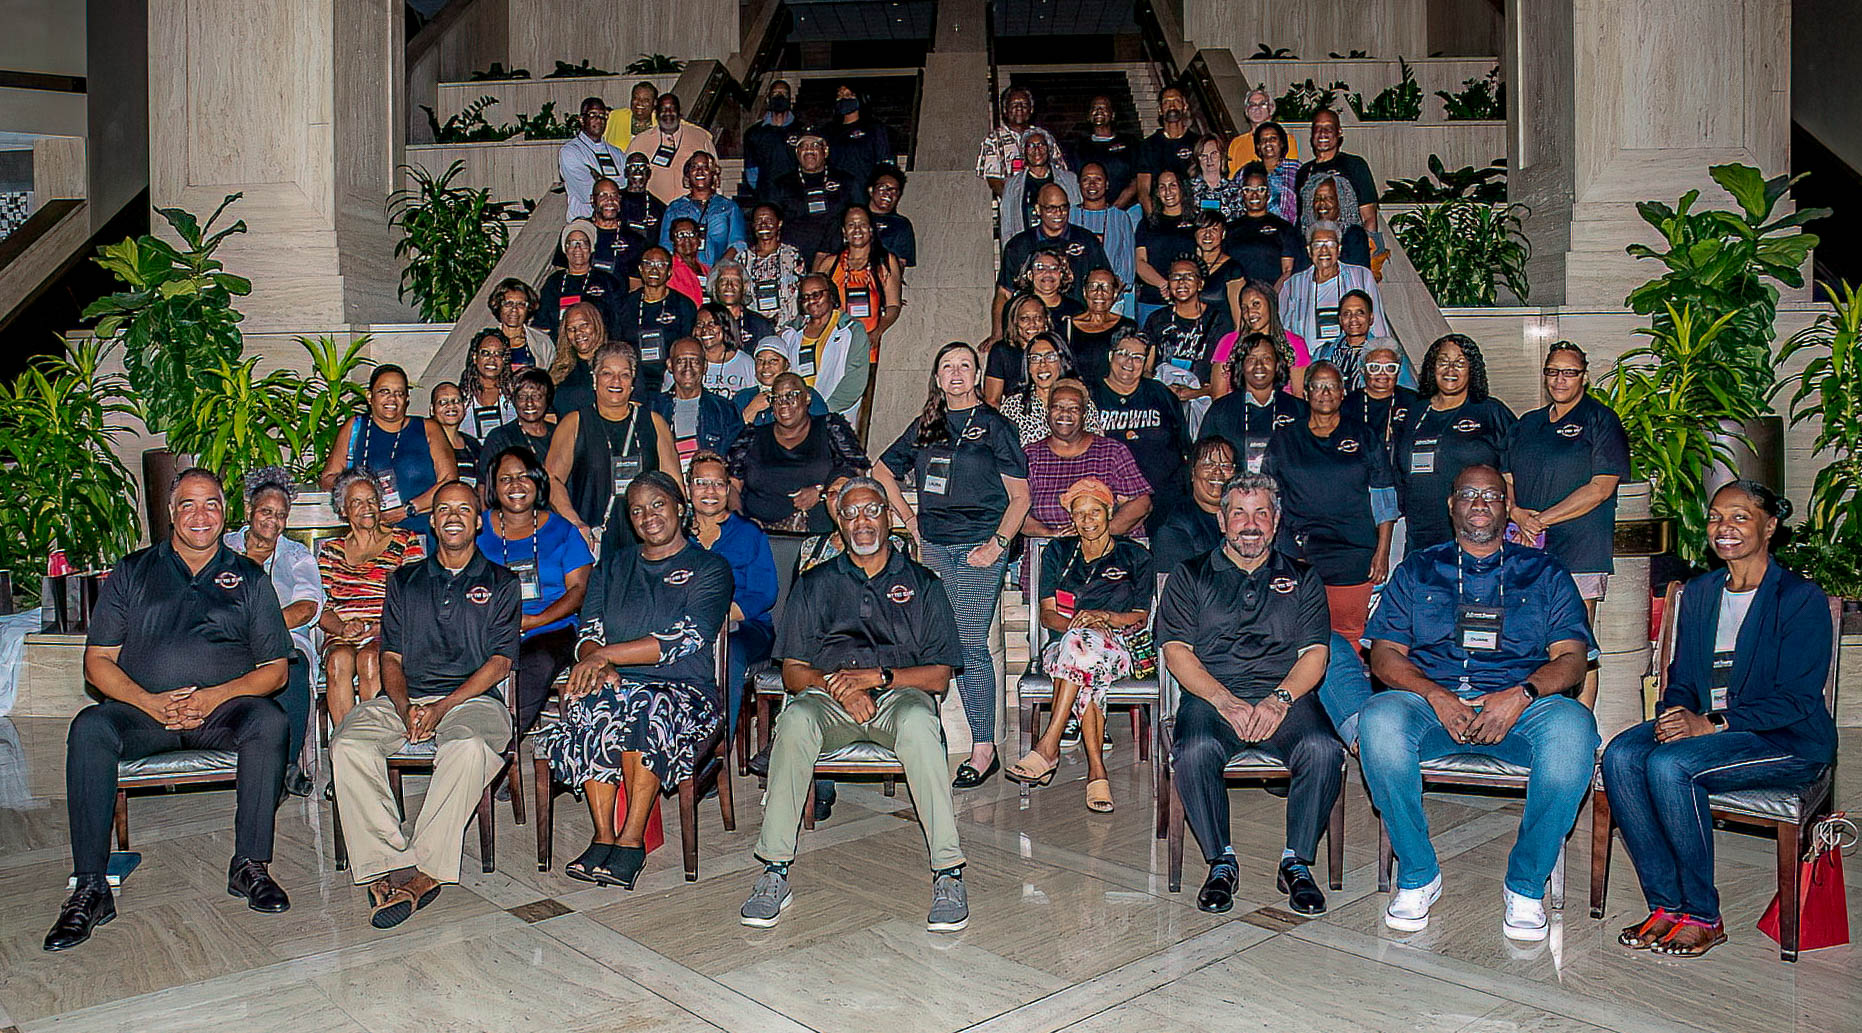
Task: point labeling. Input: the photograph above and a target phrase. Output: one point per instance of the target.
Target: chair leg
(892, 785)
(546, 815)
(1136, 726)
(1160, 793)
(514, 775)
(122, 819)
(1789, 844)
(1175, 844)
(1028, 713)
(727, 803)
(394, 785)
(1335, 844)
(688, 826)
(336, 833)
(1142, 733)
(808, 807)
(487, 831)
(1602, 829)
(1386, 858)
(1557, 891)
(745, 719)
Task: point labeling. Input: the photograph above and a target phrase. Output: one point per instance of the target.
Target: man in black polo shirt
(449, 633)
(187, 643)
(1078, 245)
(868, 647)
(1245, 632)
(812, 197)
(1328, 155)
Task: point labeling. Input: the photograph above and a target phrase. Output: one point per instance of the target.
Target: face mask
(846, 106)
(779, 102)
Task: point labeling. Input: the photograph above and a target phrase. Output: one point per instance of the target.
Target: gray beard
(1249, 548)
(864, 550)
(1479, 536)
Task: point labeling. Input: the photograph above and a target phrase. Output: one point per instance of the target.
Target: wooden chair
(713, 765)
(1785, 815)
(418, 758)
(170, 771)
(1476, 773)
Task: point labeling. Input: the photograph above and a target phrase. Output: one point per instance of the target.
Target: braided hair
(470, 383)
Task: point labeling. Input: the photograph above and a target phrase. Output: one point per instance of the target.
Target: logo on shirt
(1116, 574)
(900, 594)
(1282, 420)
(830, 184)
(228, 580)
(478, 595)
(1076, 249)
(1348, 445)
(667, 317)
(1283, 585)
(1466, 426)
(677, 577)
(1399, 415)
(973, 433)
(1568, 430)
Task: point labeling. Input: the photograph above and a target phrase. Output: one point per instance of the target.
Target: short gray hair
(863, 481)
(1247, 483)
(1337, 231)
(270, 478)
(341, 488)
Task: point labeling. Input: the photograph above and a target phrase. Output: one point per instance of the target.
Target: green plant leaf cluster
(565, 70)
(1478, 100)
(1353, 56)
(1462, 249)
(471, 126)
(1401, 102)
(1671, 394)
(177, 315)
(451, 237)
(1835, 564)
(1829, 391)
(497, 73)
(544, 125)
(1263, 52)
(655, 64)
(61, 483)
(1488, 184)
(1303, 99)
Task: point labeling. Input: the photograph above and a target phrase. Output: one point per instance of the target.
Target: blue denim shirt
(1420, 608)
(721, 221)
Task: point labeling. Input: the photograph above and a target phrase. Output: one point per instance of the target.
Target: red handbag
(1823, 909)
(656, 832)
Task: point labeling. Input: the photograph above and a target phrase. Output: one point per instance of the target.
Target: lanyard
(393, 454)
(504, 544)
(627, 443)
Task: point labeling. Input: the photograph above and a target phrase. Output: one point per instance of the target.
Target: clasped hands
(423, 719)
(1681, 723)
(852, 688)
(185, 708)
(1254, 722)
(1483, 720)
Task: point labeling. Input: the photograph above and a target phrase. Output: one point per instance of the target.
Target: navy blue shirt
(682, 600)
(652, 327)
(1259, 244)
(447, 625)
(1325, 496)
(1432, 449)
(1247, 630)
(1551, 459)
(1117, 155)
(178, 628)
(981, 448)
(1421, 604)
(1250, 426)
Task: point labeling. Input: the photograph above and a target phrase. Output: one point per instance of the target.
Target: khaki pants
(470, 738)
(812, 723)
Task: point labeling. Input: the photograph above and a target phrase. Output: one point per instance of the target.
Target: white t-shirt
(1733, 609)
(732, 375)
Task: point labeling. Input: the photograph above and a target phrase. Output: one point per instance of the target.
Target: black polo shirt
(1259, 244)
(838, 618)
(1385, 416)
(178, 628)
(1187, 531)
(1325, 496)
(1247, 629)
(446, 626)
(1250, 427)
(1551, 459)
(980, 448)
(1078, 245)
(1432, 449)
(642, 213)
(770, 149)
(1119, 581)
(685, 596)
(651, 327)
(1159, 152)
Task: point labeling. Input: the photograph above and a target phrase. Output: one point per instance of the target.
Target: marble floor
(1072, 928)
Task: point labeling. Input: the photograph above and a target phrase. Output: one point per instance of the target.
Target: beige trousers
(471, 739)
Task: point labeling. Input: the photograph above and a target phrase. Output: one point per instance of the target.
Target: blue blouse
(753, 569)
(405, 453)
(556, 549)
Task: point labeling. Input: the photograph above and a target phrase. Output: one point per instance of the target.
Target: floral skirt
(666, 722)
(1092, 658)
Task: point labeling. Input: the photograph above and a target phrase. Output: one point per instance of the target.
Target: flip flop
(1099, 796)
(1645, 935)
(1032, 770)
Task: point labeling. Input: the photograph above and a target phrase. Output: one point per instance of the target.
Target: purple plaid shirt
(1049, 476)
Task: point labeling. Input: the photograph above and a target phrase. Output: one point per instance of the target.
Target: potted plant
(451, 237)
(1828, 546)
(1463, 249)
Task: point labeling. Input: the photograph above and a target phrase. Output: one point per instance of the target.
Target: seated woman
(552, 563)
(1744, 709)
(1095, 592)
(753, 571)
(355, 571)
(408, 457)
(643, 697)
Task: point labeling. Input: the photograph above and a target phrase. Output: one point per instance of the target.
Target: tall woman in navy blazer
(1744, 709)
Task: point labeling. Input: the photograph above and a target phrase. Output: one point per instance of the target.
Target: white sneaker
(1408, 911)
(1525, 917)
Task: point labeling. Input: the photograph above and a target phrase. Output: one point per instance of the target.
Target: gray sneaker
(950, 905)
(768, 898)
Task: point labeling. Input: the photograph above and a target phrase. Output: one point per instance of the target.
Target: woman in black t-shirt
(1458, 426)
(1090, 334)
(1162, 238)
(1024, 317)
(1095, 597)
(1186, 332)
(1141, 413)
(972, 479)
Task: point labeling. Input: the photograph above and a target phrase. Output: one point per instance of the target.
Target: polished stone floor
(1073, 928)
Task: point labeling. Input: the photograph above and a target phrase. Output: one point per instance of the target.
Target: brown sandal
(1650, 931)
(1691, 938)
(1032, 770)
(397, 907)
(1099, 796)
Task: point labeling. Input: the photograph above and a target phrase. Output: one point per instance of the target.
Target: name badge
(1255, 452)
(623, 470)
(1479, 626)
(639, 228)
(606, 161)
(687, 448)
(486, 418)
(1211, 203)
(569, 300)
(937, 475)
(817, 203)
(860, 302)
(1422, 456)
(390, 491)
(652, 345)
(768, 299)
(805, 366)
(1721, 685)
(662, 155)
(529, 582)
(1063, 603)
(606, 265)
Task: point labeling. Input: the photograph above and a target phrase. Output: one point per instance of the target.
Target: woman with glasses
(831, 350)
(488, 382)
(1310, 299)
(690, 274)
(1090, 333)
(448, 405)
(1383, 403)
(1193, 527)
(972, 479)
(1357, 312)
(1337, 498)
(1329, 197)
(1212, 190)
(1046, 361)
(579, 281)
(599, 449)
(1458, 425)
(1140, 412)
(1266, 246)
(513, 303)
(1563, 462)
(1257, 109)
(407, 456)
(753, 571)
(1187, 331)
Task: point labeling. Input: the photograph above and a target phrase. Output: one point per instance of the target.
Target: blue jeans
(1346, 687)
(1556, 737)
(750, 644)
(1658, 795)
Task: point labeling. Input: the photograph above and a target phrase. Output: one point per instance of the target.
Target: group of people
(629, 477)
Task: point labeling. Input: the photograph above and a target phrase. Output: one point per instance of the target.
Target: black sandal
(969, 778)
(621, 867)
(582, 869)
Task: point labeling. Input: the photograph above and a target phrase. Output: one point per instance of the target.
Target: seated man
(868, 647)
(1245, 631)
(187, 642)
(1481, 646)
(449, 635)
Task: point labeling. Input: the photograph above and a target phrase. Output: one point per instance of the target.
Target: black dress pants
(1304, 742)
(540, 658)
(254, 726)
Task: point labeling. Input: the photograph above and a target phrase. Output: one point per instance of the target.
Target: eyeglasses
(1216, 464)
(1043, 267)
(684, 235)
(787, 397)
(688, 360)
(871, 510)
(1051, 207)
(1324, 245)
(1382, 368)
(1481, 494)
(1184, 277)
(709, 482)
(1254, 190)
(1044, 359)
(498, 353)
(1442, 364)
(1128, 355)
(812, 295)
(1555, 373)
(1098, 287)
(655, 264)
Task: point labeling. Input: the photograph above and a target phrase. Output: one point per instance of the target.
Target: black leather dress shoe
(296, 783)
(1218, 892)
(1303, 894)
(88, 906)
(249, 879)
(759, 764)
(969, 778)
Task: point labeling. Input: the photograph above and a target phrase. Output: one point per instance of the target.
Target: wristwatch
(1532, 691)
(1001, 542)
(1280, 693)
(885, 677)
(1717, 720)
